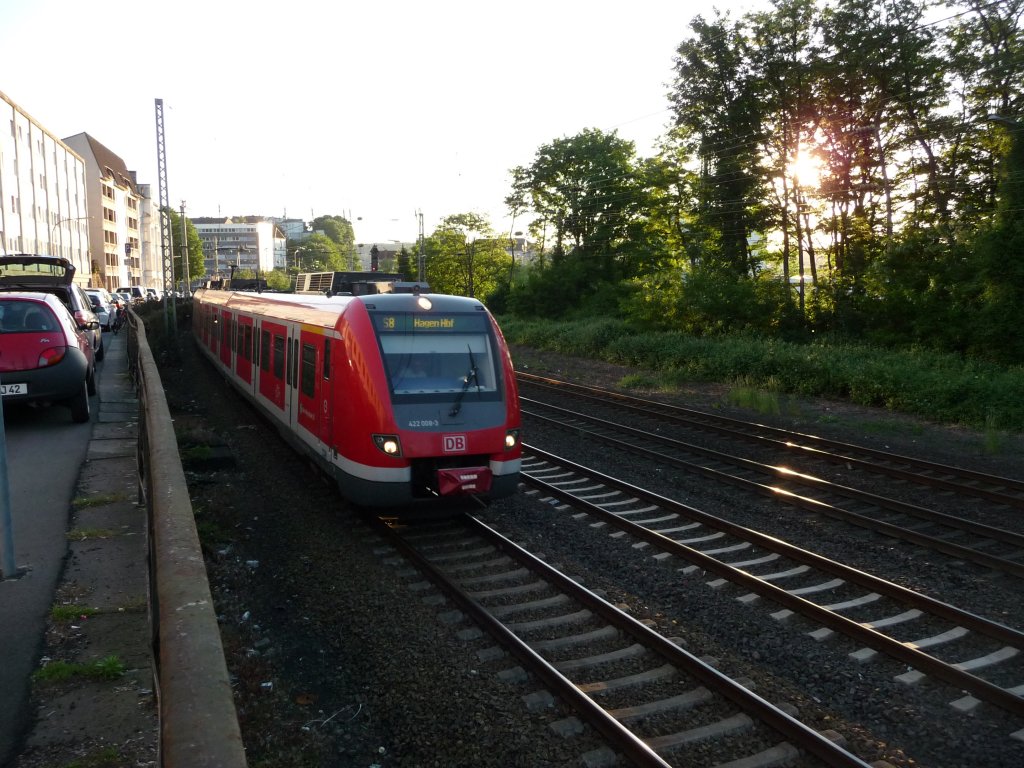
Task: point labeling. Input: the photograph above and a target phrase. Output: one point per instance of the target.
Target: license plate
(13, 389)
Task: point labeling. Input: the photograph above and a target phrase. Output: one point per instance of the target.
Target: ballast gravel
(342, 656)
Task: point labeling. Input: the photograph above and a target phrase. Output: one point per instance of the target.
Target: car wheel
(80, 405)
(90, 382)
(99, 350)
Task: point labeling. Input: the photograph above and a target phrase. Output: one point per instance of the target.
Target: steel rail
(814, 505)
(785, 439)
(904, 652)
(799, 734)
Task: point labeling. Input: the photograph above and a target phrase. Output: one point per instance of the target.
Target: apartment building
(113, 199)
(44, 206)
(233, 244)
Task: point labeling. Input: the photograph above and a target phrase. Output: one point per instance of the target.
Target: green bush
(941, 386)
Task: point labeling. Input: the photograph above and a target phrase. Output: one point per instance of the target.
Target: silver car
(103, 306)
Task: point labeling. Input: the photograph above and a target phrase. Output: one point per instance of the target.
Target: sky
(374, 110)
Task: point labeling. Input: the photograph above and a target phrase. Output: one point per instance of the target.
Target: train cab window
(307, 381)
(440, 364)
(265, 351)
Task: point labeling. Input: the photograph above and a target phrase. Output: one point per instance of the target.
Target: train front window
(427, 363)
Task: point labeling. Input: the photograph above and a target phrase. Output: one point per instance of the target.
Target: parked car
(135, 293)
(56, 275)
(103, 305)
(46, 355)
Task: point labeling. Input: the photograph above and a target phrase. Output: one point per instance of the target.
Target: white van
(135, 291)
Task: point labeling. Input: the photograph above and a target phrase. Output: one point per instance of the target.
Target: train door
(312, 384)
(243, 348)
(226, 326)
(272, 363)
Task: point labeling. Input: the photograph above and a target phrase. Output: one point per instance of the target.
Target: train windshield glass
(442, 360)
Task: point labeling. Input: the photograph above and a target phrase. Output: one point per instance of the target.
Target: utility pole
(421, 260)
(184, 252)
(171, 317)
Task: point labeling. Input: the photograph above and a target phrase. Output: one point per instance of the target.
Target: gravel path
(342, 659)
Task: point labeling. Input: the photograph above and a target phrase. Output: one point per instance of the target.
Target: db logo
(453, 443)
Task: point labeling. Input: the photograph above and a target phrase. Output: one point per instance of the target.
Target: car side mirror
(92, 325)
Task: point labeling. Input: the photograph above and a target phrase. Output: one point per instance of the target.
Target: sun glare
(806, 169)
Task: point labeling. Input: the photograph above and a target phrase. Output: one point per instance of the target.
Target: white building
(113, 200)
(44, 206)
(152, 256)
(232, 245)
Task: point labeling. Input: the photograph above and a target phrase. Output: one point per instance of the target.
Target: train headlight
(424, 302)
(388, 444)
(511, 439)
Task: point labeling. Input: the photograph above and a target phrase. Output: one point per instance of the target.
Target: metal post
(420, 276)
(184, 250)
(7, 567)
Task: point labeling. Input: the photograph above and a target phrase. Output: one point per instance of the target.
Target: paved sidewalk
(105, 721)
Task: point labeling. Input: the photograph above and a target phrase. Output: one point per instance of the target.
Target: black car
(56, 275)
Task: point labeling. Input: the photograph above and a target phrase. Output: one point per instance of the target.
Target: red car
(45, 354)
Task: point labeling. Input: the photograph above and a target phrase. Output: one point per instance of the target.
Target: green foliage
(944, 387)
(277, 280)
(464, 257)
(196, 263)
(706, 302)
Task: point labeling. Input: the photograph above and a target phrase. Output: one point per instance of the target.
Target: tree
(719, 114)
(586, 190)
(196, 263)
(318, 253)
(464, 257)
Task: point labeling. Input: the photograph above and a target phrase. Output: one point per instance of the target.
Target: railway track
(651, 700)
(963, 482)
(979, 658)
(995, 548)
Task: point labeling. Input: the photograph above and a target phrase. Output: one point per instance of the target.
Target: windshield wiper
(471, 375)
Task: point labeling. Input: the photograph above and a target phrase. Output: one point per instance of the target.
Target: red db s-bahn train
(400, 397)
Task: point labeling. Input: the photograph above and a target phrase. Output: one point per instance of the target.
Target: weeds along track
(650, 700)
(976, 536)
(915, 472)
(932, 638)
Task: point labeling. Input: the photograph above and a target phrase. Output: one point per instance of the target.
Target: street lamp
(64, 221)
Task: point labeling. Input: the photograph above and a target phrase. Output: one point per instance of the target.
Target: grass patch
(642, 381)
(62, 614)
(763, 401)
(196, 453)
(110, 668)
(106, 757)
(83, 502)
(81, 534)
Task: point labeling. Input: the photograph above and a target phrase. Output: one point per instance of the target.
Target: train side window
(265, 351)
(289, 378)
(278, 357)
(327, 358)
(225, 332)
(247, 344)
(295, 362)
(306, 381)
